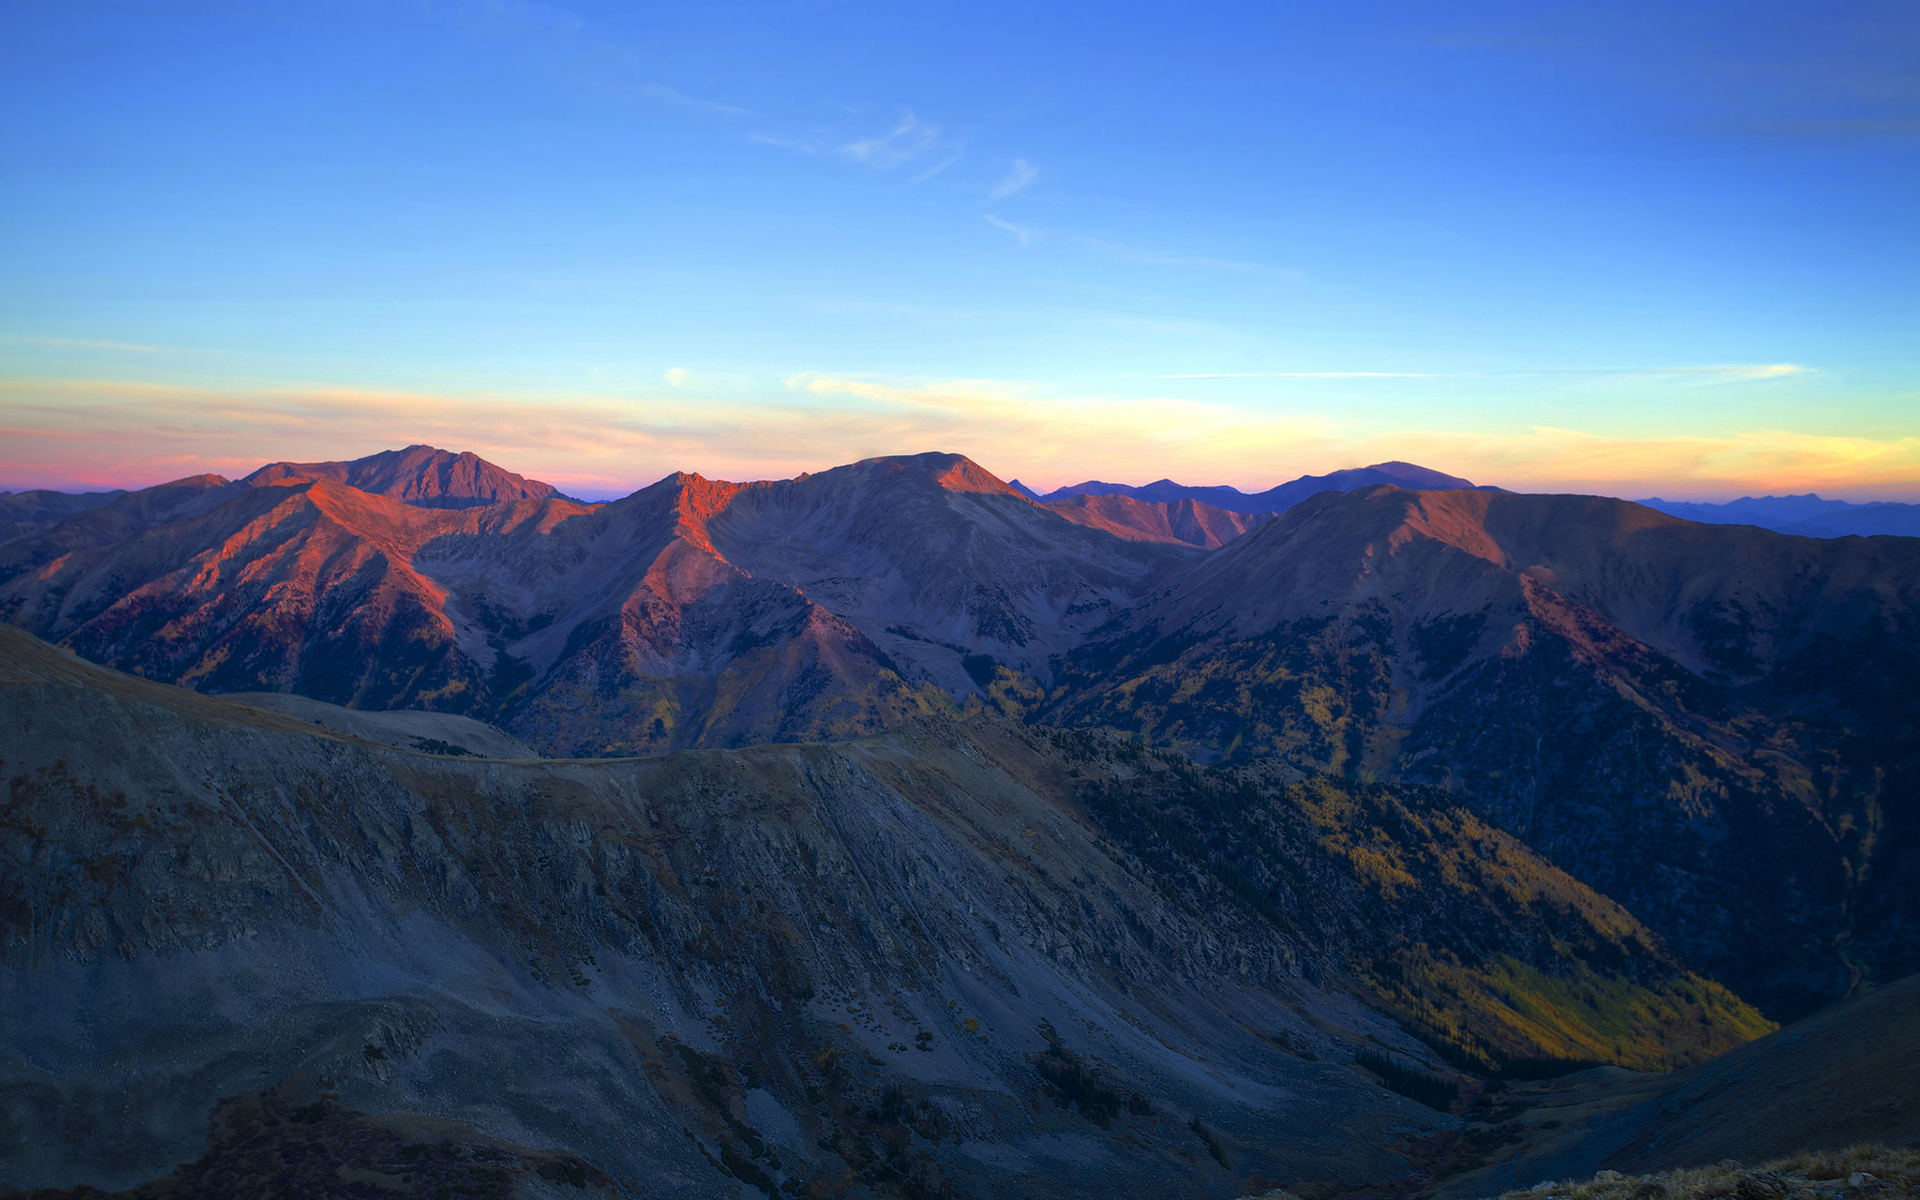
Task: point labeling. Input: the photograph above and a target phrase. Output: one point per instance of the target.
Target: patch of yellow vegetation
(1501, 1009)
(1506, 1010)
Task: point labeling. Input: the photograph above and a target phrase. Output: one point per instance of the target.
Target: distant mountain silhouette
(1274, 499)
(20, 511)
(1805, 516)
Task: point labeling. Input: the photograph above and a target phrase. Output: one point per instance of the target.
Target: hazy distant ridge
(1807, 516)
(1273, 500)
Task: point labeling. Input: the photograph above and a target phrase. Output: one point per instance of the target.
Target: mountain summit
(418, 475)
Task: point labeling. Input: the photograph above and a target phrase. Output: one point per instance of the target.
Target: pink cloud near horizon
(93, 435)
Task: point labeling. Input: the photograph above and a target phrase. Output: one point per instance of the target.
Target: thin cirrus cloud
(911, 140)
(1728, 372)
(1021, 233)
(82, 434)
(65, 343)
(1017, 177)
(1027, 235)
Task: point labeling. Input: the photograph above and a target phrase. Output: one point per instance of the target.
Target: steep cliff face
(917, 962)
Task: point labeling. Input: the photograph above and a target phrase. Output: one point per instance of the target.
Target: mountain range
(1481, 780)
(1807, 516)
(956, 958)
(1274, 500)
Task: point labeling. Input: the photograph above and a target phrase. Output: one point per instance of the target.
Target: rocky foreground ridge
(955, 958)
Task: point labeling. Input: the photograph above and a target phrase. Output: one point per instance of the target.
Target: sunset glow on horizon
(1628, 250)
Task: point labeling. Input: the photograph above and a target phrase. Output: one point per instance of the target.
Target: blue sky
(1631, 248)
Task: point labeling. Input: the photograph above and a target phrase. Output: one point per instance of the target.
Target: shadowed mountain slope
(21, 511)
(1669, 710)
(1714, 725)
(1845, 1075)
(914, 962)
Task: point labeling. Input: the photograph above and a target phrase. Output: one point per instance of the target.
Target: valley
(887, 831)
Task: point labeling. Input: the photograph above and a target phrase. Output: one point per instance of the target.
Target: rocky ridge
(1661, 707)
(916, 962)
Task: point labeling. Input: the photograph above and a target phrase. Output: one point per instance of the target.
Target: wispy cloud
(909, 138)
(1021, 233)
(1027, 235)
(63, 343)
(560, 44)
(1020, 175)
(959, 151)
(1157, 258)
(679, 99)
(93, 433)
(1304, 375)
(1729, 372)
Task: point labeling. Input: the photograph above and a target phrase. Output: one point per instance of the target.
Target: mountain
(303, 586)
(418, 475)
(955, 959)
(1806, 516)
(1713, 725)
(1275, 499)
(1186, 522)
(693, 612)
(1671, 711)
(21, 511)
(1846, 1075)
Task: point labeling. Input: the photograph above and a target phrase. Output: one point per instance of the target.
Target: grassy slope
(1481, 948)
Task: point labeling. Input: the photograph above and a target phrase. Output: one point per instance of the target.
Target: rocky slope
(1187, 522)
(1671, 711)
(304, 586)
(21, 511)
(939, 961)
(693, 612)
(1714, 725)
(1846, 1075)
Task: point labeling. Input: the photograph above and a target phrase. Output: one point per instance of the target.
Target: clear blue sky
(1627, 247)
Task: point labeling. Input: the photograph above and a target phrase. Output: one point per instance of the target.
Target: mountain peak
(1418, 478)
(420, 475)
(942, 469)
